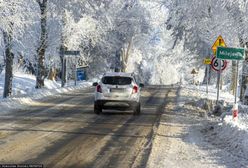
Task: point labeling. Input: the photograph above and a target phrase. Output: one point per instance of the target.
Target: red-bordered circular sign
(215, 64)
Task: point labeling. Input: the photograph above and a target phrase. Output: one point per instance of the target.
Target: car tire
(97, 108)
(136, 110)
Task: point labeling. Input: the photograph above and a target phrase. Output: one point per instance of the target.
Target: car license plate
(117, 90)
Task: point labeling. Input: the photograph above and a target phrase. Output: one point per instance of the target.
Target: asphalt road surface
(63, 131)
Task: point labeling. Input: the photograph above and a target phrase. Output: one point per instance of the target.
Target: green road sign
(227, 53)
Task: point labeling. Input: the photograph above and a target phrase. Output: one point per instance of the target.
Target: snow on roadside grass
(24, 92)
(232, 136)
(227, 133)
(22, 101)
(200, 92)
(235, 131)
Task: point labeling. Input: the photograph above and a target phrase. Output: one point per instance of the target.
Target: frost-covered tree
(84, 30)
(130, 22)
(204, 22)
(14, 19)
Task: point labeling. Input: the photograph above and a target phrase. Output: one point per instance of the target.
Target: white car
(117, 89)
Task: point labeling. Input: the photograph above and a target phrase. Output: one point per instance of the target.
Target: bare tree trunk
(125, 55)
(52, 74)
(62, 49)
(117, 61)
(40, 77)
(9, 57)
(244, 76)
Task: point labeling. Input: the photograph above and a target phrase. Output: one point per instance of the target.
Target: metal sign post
(218, 82)
(207, 61)
(237, 81)
(66, 68)
(63, 72)
(207, 79)
(75, 81)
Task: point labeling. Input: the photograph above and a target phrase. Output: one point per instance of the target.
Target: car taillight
(135, 89)
(98, 88)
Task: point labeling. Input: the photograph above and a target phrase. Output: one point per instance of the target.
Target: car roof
(118, 74)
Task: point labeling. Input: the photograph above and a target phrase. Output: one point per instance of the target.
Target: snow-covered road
(172, 131)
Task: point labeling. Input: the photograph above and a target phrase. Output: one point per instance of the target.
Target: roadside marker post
(235, 108)
(235, 112)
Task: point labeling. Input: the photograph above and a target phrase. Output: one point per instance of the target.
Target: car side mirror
(141, 85)
(95, 84)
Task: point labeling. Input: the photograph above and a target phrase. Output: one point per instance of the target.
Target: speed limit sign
(215, 64)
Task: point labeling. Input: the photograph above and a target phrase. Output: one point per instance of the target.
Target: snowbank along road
(64, 132)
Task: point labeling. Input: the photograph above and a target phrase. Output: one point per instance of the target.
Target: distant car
(117, 89)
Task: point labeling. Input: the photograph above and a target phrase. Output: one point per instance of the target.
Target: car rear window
(116, 80)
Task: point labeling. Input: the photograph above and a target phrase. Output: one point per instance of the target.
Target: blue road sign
(81, 75)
